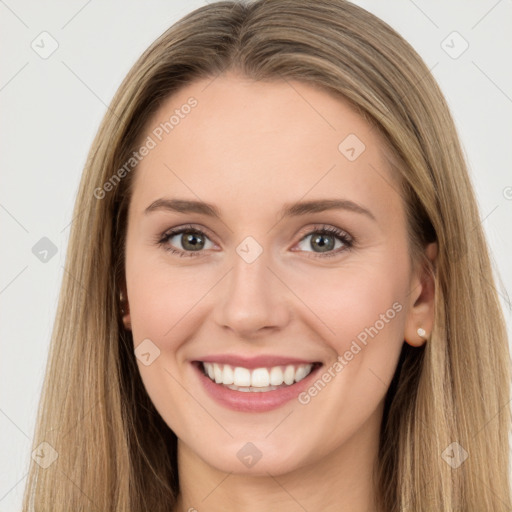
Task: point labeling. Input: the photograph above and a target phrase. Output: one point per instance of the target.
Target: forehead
(234, 138)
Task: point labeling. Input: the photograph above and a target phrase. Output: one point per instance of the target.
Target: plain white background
(51, 108)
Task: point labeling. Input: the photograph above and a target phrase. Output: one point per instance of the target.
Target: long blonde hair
(115, 453)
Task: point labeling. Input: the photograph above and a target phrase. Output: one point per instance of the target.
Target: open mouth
(243, 379)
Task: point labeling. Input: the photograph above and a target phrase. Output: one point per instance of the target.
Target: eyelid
(333, 230)
(186, 227)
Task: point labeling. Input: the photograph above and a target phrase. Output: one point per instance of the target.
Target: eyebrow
(288, 210)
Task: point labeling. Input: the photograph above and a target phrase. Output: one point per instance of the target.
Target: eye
(185, 241)
(327, 241)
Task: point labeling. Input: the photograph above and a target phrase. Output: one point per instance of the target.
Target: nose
(252, 301)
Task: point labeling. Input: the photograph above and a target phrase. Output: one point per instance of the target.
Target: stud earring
(421, 332)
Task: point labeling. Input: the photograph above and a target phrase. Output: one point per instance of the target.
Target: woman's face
(300, 262)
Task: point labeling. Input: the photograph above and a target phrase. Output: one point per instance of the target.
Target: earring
(421, 332)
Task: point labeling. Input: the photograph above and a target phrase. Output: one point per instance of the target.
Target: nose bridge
(252, 297)
(250, 277)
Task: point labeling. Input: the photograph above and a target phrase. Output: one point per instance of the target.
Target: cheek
(363, 307)
(161, 296)
(163, 301)
(355, 302)
(360, 311)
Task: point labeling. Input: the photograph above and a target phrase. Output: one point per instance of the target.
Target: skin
(250, 147)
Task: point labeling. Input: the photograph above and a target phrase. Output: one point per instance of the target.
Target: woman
(279, 294)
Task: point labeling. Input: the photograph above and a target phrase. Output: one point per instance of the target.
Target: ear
(125, 307)
(421, 306)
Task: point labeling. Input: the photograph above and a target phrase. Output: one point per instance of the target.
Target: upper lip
(261, 361)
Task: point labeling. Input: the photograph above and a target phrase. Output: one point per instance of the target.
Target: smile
(261, 388)
(258, 379)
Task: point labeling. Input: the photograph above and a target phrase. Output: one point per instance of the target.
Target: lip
(244, 401)
(261, 361)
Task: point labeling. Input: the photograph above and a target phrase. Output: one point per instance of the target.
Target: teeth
(301, 372)
(241, 376)
(217, 372)
(251, 389)
(289, 375)
(276, 376)
(259, 379)
(227, 376)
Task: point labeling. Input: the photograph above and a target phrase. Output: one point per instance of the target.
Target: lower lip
(246, 401)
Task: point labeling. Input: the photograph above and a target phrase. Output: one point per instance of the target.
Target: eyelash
(344, 237)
